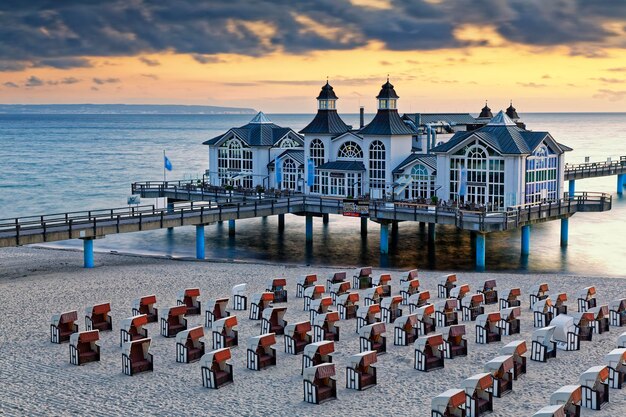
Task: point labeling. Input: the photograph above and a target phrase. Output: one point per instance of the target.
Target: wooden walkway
(595, 169)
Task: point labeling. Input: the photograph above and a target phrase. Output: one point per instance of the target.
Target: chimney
(362, 117)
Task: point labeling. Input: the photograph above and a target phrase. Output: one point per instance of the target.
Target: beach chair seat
(429, 354)
(189, 346)
(478, 394)
(595, 387)
(173, 321)
(260, 353)
(501, 370)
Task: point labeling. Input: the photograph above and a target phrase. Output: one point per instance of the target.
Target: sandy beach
(37, 379)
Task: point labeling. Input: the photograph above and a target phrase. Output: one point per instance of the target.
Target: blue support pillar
(384, 238)
(564, 231)
(200, 241)
(325, 218)
(170, 209)
(431, 232)
(88, 253)
(572, 189)
(231, 227)
(281, 222)
(621, 182)
(526, 240)
(363, 226)
(480, 251)
(309, 228)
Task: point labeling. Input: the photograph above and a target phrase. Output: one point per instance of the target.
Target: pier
(575, 172)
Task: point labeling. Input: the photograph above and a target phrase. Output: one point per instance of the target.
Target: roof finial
(511, 102)
(485, 102)
(387, 77)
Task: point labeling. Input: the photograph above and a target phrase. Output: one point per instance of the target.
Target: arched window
(317, 155)
(350, 150)
(541, 175)
(232, 160)
(290, 175)
(422, 183)
(377, 165)
(288, 143)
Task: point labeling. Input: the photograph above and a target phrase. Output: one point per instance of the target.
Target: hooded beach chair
(362, 278)
(551, 411)
(617, 312)
(339, 288)
(450, 403)
(189, 347)
(372, 295)
(384, 281)
(586, 299)
(510, 322)
(409, 275)
(225, 333)
(390, 308)
(319, 306)
(347, 305)
(584, 322)
(297, 337)
(317, 353)
(319, 383)
(145, 305)
(260, 353)
(62, 326)
(621, 340)
(216, 368)
(325, 327)
(537, 292)
(273, 320)
(215, 310)
(98, 317)
(489, 291)
(84, 347)
(189, 298)
(367, 315)
(615, 360)
(360, 372)
(559, 303)
(445, 313)
(459, 292)
(304, 282)
(429, 353)
(334, 279)
(173, 320)
(454, 344)
(136, 357)
(312, 293)
(278, 286)
(405, 330)
(543, 312)
(510, 298)
(569, 397)
(601, 319)
(131, 328)
(425, 319)
(408, 288)
(372, 337)
(446, 283)
(258, 303)
(240, 300)
(517, 349)
(488, 328)
(472, 307)
(501, 370)
(543, 345)
(595, 387)
(566, 333)
(478, 394)
(418, 299)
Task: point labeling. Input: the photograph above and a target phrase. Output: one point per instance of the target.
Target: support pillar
(325, 218)
(394, 227)
(431, 232)
(309, 228)
(363, 226)
(621, 182)
(88, 253)
(526, 240)
(564, 231)
(231, 227)
(200, 241)
(170, 209)
(384, 238)
(281, 222)
(480, 251)
(572, 189)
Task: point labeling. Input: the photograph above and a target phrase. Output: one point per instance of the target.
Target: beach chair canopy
(594, 376)
(551, 411)
(189, 292)
(374, 329)
(300, 327)
(510, 313)
(143, 301)
(445, 305)
(513, 293)
(67, 317)
(194, 333)
(515, 348)
(364, 272)
(362, 359)
(325, 347)
(276, 282)
(587, 293)
(212, 302)
(390, 302)
(411, 275)
(339, 276)
(616, 358)
(483, 319)
(425, 311)
(144, 343)
(264, 340)
(103, 308)
(545, 334)
(563, 324)
(264, 296)
(239, 289)
(481, 381)
(321, 371)
(460, 291)
(567, 394)
(560, 298)
(135, 321)
(307, 279)
(217, 356)
(421, 296)
(225, 323)
(410, 285)
(175, 311)
(432, 340)
(382, 279)
(324, 301)
(453, 398)
(600, 312)
(88, 336)
(314, 290)
(618, 305)
(408, 320)
(351, 297)
(500, 364)
(489, 285)
(447, 279)
(583, 318)
(539, 289)
(543, 305)
(372, 291)
(330, 317)
(274, 313)
(369, 310)
(341, 286)
(453, 331)
(474, 301)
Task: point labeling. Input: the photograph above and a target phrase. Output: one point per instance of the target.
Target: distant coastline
(119, 109)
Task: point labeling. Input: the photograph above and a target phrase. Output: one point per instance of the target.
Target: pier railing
(595, 169)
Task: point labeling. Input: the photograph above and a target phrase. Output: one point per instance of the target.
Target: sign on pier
(356, 208)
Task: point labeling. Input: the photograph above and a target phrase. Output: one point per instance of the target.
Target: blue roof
(426, 159)
(296, 155)
(259, 132)
(387, 122)
(326, 122)
(342, 166)
(449, 118)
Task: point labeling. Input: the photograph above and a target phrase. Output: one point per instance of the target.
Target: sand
(37, 379)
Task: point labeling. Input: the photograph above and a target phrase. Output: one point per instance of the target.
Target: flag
(311, 172)
(167, 162)
(462, 181)
(278, 170)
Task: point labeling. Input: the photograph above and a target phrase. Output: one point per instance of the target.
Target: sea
(54, 163)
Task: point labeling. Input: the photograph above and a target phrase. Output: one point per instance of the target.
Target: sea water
(57, 163)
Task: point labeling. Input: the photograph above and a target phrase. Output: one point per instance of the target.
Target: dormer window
(382, 104)
(386, 104)
(392, 104)
(326, 104)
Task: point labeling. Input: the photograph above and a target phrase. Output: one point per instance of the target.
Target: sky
(274, 55)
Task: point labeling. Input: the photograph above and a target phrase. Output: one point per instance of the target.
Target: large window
(233, 159)
(350, 150)
(377, 165)
(317, 155)
(541, 176)
(422, 184)
(290, 175)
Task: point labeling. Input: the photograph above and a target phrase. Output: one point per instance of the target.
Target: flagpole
(164, 175)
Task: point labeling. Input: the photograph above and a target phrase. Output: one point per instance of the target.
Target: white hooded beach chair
(145, 305)
(446, 283)
(478, 394)
(258, 303)
(384, 281)
(586, 299)
(216, 368)
(551, 411)
(621, 340)
(240, 300)
(297, 337)
(418, 299)
(325, 327)
(472, 307)
(445, 313)
(543, 312)
(304, 282)
(98, 317)
(273, 320)
(189, 298)
(409, 275)
(372, 295)
(585, 322)
(362, 278)
(347, 305)
(173, 320)
(372, 337)
(319, 383)
(601, 319)
(407, 289)
(278, 287)
(136, 357)
(334, 279)
(189, 346)
(215, 310)
(459, 292)
(338, 289)
(501, 370)
(425, 319)
(62, 326)
(565, 333)
(615, 360)
(360, 372)
(537, 292)
(131, 328)
(559, 303)
(319, 306)
(225, 333)
(510, 298)
(429, 353)
(543, 345)
(311, 293)
(84, 347)
(488, 328)
(390, 308)
(367, 315)
(454, 343)
(260, 352)
(317, 353)
(595, 387)
(489, 291)
(569, 397)
(517, 349)
(617, 312)
(450, 403)
(405, 330)
(510, 322)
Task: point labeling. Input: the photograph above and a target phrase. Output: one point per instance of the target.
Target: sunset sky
(273, 55)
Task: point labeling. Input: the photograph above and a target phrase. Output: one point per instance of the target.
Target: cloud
(532, 85)
(152, 76)
(206, 59)
(611, 95)
(546, 77)
(609, 80)
(33, 81)
(240, 84)
(70, 80)
(102, 81)
(149, 62)
(618, 69)
(10, 84)
(62, 63)
(385, 63)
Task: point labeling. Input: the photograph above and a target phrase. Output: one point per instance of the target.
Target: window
(350, 150)
(377, 165)
(290, 175)
(288, 143)
(317, 155)
(541, 176)
(422, 184)
(232, 160)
